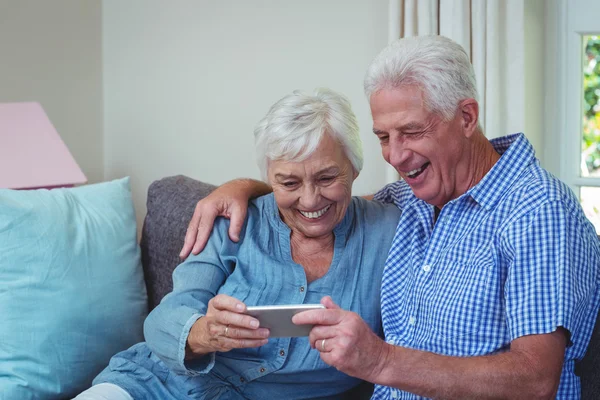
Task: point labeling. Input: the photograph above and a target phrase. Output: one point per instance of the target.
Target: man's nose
(398, 153)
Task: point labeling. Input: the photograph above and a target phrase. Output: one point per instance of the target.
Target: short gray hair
(295, 125)
(436, 64)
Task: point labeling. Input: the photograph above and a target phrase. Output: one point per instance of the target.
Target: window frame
(567, 22)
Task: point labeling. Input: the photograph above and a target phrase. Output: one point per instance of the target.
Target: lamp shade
(32, 154)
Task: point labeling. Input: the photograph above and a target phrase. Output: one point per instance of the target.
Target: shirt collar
(516, 154)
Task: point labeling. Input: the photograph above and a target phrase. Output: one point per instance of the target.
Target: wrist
(384, 360)
(196, 346)
(251, 188)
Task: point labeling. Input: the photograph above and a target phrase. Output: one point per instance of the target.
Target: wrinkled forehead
(328, 155)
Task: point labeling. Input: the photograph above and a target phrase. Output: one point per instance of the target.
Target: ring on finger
(226, 330)
(323, 345)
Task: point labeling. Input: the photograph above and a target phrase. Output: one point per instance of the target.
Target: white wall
(50, 52)
(185, 82)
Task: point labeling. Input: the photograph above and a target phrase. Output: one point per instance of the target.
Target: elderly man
(491, 287)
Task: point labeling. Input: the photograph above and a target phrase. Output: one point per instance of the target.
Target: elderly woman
(307, 240)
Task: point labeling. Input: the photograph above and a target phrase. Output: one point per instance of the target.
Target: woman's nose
(310, 197)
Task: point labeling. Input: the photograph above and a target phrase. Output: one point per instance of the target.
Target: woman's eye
(289, 184)
(326, 179)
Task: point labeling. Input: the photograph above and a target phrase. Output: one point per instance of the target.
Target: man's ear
(470, 116)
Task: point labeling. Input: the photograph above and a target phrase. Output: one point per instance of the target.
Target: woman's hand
(224, 327)
(344, 340)
(229, 200)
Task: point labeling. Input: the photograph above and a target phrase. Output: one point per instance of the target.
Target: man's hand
(344, 339)
(230, 201)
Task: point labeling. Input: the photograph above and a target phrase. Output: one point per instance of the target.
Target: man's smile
(416, 172)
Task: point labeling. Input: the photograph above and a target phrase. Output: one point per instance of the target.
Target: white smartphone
(279, 319)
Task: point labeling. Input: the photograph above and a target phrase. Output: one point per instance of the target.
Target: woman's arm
(180, 330)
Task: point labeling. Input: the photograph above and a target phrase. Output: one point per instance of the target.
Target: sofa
(162, 238)
(170, 205)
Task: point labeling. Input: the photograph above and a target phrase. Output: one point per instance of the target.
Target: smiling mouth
(416, 172)
(315, 214)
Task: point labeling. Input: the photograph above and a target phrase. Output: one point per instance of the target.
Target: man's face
(428, 153)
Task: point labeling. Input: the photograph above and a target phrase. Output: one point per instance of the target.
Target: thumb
(328, 302)
(238, 216)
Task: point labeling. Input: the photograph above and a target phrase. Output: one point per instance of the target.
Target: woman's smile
(314, 215)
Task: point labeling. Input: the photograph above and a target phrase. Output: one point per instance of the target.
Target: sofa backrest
(171, 202)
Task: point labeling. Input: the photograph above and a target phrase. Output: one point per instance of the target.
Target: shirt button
(412, 320)
(242, 380)
(302, 288)
(394, 394)
(262, 369)
(427, 268)
(281, 353)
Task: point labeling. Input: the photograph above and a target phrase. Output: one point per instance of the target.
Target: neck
(314, 254)
(303, 244)
(482, 158)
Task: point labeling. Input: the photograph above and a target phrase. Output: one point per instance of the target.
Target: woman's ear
(470, 116)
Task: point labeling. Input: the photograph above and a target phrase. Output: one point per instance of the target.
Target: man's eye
(383, 139)
(289, 184)
(326, 179)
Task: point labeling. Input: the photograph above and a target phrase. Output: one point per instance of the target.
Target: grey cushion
(171, 202)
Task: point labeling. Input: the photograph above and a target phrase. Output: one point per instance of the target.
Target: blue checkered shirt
(513, 256)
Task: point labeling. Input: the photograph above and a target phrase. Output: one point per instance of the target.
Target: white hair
(295, 125)
(436, 64)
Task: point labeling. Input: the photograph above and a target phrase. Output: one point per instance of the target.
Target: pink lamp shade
(32, 154)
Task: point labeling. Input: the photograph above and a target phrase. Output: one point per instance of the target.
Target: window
(572, 147)
(590, 137)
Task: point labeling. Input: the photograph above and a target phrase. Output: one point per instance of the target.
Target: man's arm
(229, 200)
(531, 369)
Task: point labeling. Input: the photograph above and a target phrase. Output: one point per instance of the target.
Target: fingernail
(254, 324)
(239, 307)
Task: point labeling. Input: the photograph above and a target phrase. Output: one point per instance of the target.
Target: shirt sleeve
(386, 194)
(195, 282)
(552, 274)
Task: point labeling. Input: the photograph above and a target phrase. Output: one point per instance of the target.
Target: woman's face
(313, 195)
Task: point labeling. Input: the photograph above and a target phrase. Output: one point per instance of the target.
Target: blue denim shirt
(259, 270)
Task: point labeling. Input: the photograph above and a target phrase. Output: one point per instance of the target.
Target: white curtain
(493, 34)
